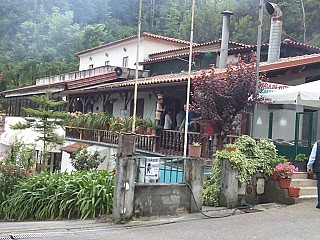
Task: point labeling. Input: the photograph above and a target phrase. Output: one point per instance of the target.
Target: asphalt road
(299, 221)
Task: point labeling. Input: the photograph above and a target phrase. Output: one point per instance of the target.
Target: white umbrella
(307, 94)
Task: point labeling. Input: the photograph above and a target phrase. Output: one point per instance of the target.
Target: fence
(160, 170)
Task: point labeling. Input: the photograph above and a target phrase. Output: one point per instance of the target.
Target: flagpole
(137, 72)
(186, 122)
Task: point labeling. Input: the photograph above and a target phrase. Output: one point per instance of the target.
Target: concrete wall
(273, 193)
(160, 199)
(106, 152)
(115, 53)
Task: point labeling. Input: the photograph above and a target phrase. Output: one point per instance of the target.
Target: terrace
(162, 142)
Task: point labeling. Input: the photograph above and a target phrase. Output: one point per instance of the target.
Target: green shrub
(211, 187)
(250, 157)
(15, 166)
(81, 159)
(83, 194)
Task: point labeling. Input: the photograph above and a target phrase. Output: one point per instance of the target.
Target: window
(91, 66)
(125, 62)
(106, 63)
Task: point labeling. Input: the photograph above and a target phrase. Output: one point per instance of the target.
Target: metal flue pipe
(225, 38)
(275, 31)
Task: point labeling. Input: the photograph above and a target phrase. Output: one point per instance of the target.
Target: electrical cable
(217, 216)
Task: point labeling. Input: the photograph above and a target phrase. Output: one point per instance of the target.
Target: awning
(74, 146)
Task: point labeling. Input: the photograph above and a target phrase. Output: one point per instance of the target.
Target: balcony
(125, 73)
(165, 142)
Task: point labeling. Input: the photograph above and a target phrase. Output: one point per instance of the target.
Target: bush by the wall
(250, 157)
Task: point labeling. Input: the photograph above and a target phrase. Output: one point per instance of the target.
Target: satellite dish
(118, 71)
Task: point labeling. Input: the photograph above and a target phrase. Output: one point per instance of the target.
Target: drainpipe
(225, 38)
(275, 31)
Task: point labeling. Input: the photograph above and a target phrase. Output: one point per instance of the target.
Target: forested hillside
(39, 37)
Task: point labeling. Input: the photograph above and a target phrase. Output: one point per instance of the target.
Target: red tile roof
(102, 81)
(195, 46)
(36, 87)
(161, 59)
(92, 80)
(285, 42)
(145, 34)
(69, 84)
(283, 63)
(160, 79)
(183, 77)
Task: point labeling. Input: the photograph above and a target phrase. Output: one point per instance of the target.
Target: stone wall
(160, 199)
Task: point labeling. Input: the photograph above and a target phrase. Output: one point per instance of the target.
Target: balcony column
(159, 109)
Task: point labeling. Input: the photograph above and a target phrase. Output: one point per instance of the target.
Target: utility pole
(189, 84)
(261, 9)
(137, 72)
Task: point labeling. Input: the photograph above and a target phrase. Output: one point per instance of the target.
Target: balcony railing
(126, 73)
(166, 142)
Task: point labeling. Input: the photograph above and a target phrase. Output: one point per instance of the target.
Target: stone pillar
(124, 179)
(229, 185)
(194, 169)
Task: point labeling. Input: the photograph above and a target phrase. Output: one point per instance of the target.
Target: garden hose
(217, 216)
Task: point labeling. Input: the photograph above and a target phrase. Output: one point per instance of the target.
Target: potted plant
(195, 149)
(285, 172)
(301, 162)
(148, 125)
(294, 192)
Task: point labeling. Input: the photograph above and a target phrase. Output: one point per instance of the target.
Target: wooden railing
(143, 142)
(167, 142)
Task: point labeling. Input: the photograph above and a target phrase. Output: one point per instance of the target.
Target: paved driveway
(299, 221)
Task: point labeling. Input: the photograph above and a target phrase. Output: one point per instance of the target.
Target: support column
(229, 185)
(194, 169)
(124, 179)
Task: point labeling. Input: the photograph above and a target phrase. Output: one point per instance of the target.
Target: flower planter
(148, 131)
(294, 192)
(275, 176)
(284, 182)
(194, 151)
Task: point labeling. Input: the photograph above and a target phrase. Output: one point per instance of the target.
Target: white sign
(152, 168)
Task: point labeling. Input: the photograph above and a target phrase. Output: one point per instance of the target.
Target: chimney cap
(227, 12)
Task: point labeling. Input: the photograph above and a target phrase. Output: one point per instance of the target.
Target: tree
(44, 120)
(82, 159)
(219, 96)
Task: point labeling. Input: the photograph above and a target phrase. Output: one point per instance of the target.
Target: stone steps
(308, 187)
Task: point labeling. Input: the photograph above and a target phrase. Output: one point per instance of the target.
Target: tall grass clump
(83, 194)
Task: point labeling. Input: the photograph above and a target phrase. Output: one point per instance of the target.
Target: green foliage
(44, 120)
(15, 166)
(105, 121)
(217, 104)
(81, 159)
(301, 157)
(211, 186)
(83, 194)
(250, 157)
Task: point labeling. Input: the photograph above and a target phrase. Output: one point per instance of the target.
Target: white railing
(127, 74)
